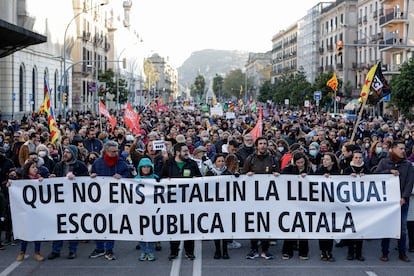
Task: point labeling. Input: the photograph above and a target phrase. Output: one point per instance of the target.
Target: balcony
(390, 69)
(329, 68)
(330, 47)
(320, 69)
(365, 19)
(375, 15)
(393, 17)
(339, 66)
(86, 36)
(393, 44)
(380, 35)
(107, 46)
(321, 50)
(361, 41)
(360, 21)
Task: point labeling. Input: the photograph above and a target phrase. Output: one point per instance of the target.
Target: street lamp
(65, 89)
(64, 75)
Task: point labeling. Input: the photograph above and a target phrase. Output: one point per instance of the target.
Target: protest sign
(217, 207)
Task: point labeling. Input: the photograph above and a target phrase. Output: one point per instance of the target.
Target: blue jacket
(100, 168)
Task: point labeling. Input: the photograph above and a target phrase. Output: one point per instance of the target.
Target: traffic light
(339, 47)
(64, 97)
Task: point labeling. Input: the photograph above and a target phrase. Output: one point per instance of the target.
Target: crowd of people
(197, 144)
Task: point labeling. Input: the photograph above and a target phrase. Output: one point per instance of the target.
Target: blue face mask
(313, 153)
(6, 147)
(378, 150)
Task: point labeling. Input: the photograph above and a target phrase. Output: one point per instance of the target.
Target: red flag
(104, 111)
(132, 119)
(257, 131)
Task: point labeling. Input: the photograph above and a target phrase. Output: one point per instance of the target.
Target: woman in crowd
(356, 167)
(145, 169)
(30, 171)
(329, 166)
(43, 152)
(219, 168)
(90, 158)
(298, 166)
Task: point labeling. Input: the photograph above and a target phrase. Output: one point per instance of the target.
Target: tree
(111, 89)
(232, 83)
(266, 91)
(218, 81)
(402, 89)
(327, 93)
(151, 74)
(198, 88)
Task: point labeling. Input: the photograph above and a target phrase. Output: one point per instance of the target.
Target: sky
(176, 28)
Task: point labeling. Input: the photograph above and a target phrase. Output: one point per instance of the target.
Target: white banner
(217, 207)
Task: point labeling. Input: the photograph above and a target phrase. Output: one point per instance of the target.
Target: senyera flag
(333, 82)
(104, 111)
(132, 119)
(47, 108)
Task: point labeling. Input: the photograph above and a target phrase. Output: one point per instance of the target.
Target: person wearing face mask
(42, 170)
(43, 152)
(376, 154)
(246, 149)
(314, 156)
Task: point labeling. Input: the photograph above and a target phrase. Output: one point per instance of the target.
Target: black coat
(170, 168)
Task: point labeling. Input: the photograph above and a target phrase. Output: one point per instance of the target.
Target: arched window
(21, 88)
(34, 87)
(55, 93)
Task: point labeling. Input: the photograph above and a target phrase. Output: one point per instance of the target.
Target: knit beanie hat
(74, 150)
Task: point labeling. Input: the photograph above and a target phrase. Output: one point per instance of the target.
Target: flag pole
(361, 111)
(100, 118)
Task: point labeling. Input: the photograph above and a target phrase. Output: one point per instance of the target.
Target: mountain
(208, 63)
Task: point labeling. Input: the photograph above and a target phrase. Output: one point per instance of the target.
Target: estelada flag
(132, 119)
(379, 87)
(367, 84)
(333, 82)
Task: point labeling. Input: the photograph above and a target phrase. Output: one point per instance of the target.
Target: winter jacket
(102, 169)
(406, 171)
(170, 169)
(261, 163)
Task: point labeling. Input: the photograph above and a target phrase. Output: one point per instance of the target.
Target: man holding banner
(70, 167)
(260, 162)
(110, 164)
(181, 165)
(398, 165)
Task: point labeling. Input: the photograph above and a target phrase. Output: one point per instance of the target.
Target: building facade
(258, 68)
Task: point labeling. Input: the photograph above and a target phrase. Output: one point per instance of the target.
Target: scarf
(110, 161)
(218, 171)
(355, 165)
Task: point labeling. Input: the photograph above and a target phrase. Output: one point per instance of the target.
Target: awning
(353, 104)
(14, 38)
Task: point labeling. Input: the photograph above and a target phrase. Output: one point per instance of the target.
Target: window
(21, 88)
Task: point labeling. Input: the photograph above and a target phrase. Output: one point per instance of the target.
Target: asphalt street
(127, 262)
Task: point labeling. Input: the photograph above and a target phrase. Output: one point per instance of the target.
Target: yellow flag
(333, 82)
(367, 84)
(241, 90)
